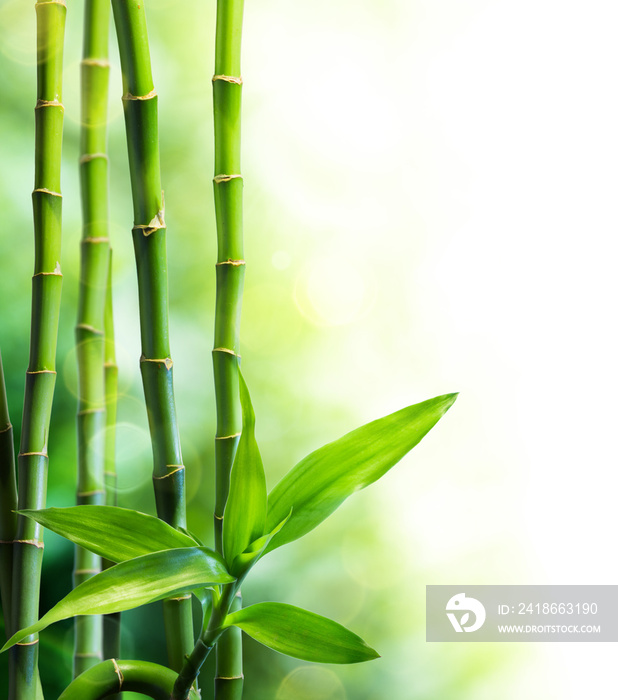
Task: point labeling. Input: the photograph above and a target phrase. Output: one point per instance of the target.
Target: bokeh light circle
(310, 682)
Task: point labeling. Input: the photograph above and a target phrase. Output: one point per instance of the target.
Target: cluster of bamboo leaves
(125, 558)
(156, 561)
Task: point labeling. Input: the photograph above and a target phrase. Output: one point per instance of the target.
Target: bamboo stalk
(229, 678)
(113, 676)
(228, 600)
(41, 374)
(89, 332)
(111, 394)
(8, 504)
(111, 622)
(230, 270)
(149, 239)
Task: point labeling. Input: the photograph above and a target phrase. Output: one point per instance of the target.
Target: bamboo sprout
(230, 270)
(89, 331)
(41, 373)
(8, 504)
(149, 238)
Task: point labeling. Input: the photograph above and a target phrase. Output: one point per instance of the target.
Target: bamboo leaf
(245, 513)
(320, 482)
(300, 633)
(136, 582)
(118, 534)
(205, 596)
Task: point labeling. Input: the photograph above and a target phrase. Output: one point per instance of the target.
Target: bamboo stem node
(51, 2)
(167, 361)
(218, 179)
(87, 157)
(156, 223)
(218, 517)
(96, 492)
(226, 350)
(150, 96)
(40, 104)
(227, 437)
(88, 411)
(32, 454)
(44, 190)
(178, 468)
(47, 274)
(27, 644)
(231, 262)
(88, 327)
(39, 371)
(230, 678)
(237, 80)
(77, 572)
(34, 543)
(101, 63)
(119, 674)
(91, 241)
(6, 430)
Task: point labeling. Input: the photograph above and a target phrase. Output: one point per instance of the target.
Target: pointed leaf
(245, 512)
(136, 582)
(244, 561)
(320, 482)
(118, 534)
(300, 633)
(205, 596)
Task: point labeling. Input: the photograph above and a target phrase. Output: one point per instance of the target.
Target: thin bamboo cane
(111, 622)
(111, 395)
(149, 239)
(41, 374)
(8, 504)
(230, 270)
(89, 331)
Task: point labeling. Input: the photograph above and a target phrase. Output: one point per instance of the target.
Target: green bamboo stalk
(111, 622)
(111, 395)
(111, 677)
(228, 600)
(149, 239)
(8, 504)
(89, 332)
(229, 679)
(41, 373)
(230, 271)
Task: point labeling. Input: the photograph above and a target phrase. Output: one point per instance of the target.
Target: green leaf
(118, 534)
(205, 596)
(245, 512)
(136, 582)
(320, 482)
(300, 633)
(245, 560)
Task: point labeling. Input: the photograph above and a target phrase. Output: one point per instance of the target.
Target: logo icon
(461, 603)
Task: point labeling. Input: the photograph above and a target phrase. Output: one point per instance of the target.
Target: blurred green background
(429, 190)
